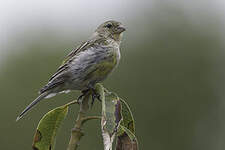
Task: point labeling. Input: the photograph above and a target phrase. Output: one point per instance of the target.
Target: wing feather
(62, 74)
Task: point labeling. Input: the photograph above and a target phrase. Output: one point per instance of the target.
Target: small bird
(88, 64)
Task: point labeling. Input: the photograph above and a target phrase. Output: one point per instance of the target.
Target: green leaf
(111, 115)
(128, 119)
(126, 134)
(44, 138)
(126, 141)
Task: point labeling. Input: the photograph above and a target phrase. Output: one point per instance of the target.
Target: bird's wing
(61, 74)
(82, 47)
(77, 50)
(65, 64)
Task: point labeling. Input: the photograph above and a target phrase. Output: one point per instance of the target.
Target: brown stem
(76, 132)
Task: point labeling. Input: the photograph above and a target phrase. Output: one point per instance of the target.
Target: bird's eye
(108, 25)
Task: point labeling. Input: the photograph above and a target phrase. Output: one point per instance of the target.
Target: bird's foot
(84, 92)
(94, 96)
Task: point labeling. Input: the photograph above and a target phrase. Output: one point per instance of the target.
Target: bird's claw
(94, 96)
(84, 92)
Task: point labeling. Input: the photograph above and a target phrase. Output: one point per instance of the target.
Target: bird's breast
(105, 66)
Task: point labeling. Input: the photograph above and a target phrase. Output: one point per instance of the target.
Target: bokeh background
(171, 73)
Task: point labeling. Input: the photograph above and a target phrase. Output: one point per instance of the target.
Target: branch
(76, 132)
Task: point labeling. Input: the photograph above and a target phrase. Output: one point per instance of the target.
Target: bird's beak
(121, 29)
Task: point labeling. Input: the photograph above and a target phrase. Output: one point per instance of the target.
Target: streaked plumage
(86, 65)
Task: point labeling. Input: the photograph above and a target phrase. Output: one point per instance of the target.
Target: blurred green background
(171, 72)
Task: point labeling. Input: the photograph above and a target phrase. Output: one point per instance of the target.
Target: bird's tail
(31, 105)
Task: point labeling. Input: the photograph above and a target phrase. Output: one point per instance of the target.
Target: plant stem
(76, 132)
(85, 119)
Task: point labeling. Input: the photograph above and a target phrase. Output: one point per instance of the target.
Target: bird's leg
(94, 95)
(84, 92)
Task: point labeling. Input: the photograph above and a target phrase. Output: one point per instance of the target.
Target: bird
(90, 63)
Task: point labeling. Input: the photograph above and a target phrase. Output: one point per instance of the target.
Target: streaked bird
(88, 64)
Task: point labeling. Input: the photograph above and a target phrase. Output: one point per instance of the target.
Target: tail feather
(31, 105)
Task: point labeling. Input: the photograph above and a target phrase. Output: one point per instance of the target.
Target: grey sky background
(70, 17)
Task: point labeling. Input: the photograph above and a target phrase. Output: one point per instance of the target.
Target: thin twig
(85, 119)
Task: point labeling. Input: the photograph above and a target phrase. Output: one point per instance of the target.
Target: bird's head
(111, 29)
